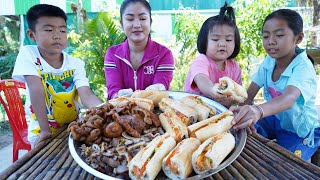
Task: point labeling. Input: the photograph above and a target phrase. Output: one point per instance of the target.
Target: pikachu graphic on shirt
(64, 109)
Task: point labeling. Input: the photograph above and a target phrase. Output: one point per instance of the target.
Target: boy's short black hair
(225, 17)
(40, 10)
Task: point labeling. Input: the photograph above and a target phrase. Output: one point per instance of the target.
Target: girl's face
(279, 40)
(220, 42)
(136, 22)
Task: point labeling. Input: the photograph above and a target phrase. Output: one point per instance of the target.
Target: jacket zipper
(135, 77)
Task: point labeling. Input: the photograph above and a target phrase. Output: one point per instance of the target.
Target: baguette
(173, 125)
(177, 164)
(228, 87)
(146, 164)
(154, 95)
(144, 103)
(212, 152)
(185, 113)
(212, 126)
(198, 105)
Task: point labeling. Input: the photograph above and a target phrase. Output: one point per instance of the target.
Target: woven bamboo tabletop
(260, 159)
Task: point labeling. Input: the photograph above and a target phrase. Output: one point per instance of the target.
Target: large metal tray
(240, 136)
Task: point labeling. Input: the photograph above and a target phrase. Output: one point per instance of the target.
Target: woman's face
(136, 22)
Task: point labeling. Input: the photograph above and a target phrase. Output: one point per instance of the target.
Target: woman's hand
(246, 117)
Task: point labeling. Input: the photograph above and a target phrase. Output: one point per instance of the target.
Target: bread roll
(228, 87)
(212, 152)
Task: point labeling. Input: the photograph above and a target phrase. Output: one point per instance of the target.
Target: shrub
(7, 65)
(186, 27)
(100, 33)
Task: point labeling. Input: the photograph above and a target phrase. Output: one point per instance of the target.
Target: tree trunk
(315, 12)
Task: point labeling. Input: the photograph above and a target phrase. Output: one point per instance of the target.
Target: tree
(99, 34)
(186, 27)
(315, 4)
(250, 17)
(316, 9)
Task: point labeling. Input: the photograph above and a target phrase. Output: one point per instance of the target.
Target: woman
(139, 62)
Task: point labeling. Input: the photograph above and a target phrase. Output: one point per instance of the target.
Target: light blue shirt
(302, 117)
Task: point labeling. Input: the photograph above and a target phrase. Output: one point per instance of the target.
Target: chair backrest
(13, 104)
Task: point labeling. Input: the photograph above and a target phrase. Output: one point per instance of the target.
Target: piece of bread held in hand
(212, 126)
(177, 164)
(228, 87)
(154, 95)
(212, 152)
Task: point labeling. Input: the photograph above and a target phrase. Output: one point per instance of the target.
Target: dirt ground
(5, 139)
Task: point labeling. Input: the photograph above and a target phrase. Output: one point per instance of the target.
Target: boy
(54, 78)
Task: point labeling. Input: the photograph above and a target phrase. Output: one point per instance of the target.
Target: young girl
(289, 82)
(218, 43)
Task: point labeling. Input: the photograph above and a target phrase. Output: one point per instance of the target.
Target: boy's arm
(87, 97)
(37, 98)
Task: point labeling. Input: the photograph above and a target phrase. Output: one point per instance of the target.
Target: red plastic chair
(15, 112)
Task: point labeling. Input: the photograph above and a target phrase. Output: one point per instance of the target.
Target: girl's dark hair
(225, 17)
(293, 19)
(40, 10)
(125, 4)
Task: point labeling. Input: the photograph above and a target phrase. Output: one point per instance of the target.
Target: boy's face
(50, 35)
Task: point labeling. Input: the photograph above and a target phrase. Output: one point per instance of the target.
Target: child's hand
(44, 135)
(223, 99)
(246, 116)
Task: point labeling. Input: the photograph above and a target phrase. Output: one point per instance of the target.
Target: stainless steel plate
(239, 135)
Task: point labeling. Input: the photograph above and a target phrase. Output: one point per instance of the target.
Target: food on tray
(197, 104)
(144, 103)
(177, 164)
(186, 113)
(147, 163)
(97, 122)
(125, 140)
(228, 87)
(173, 125)
(212, 152)
(154, 95)
(112, 130)
(112, 155)
(212, 126)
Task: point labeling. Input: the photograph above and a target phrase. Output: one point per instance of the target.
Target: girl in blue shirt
(289, 86)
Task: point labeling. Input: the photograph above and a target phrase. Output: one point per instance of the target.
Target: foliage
(100, 33)
(9, 44)
(9, 34)
(186, 27)
(6, 65)
(250, 17)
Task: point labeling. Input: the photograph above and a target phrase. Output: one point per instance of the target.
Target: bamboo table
(260, 159)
